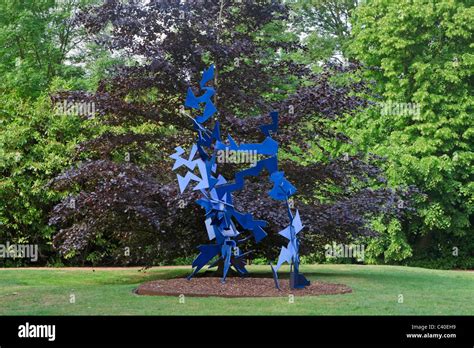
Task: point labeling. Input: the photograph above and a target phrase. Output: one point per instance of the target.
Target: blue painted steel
(222, 220)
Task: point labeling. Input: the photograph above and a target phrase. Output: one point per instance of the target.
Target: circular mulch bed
(235, 287)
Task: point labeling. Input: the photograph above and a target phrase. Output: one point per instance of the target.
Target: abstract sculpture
(222, 220)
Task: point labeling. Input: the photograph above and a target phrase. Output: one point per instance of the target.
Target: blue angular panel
(270, 127)
(207, 75)
(191, 100)
(282, 188)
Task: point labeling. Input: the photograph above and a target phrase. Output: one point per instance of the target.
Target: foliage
(325, 27)
(391, 246)
(424, 51)
(35, 145)
(36, 39)
(134, 203)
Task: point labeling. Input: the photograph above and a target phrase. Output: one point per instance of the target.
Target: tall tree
(35, 142)
(35, 40)
(325, 27)
(422, 54)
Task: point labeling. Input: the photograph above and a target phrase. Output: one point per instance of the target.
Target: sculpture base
(235, 287)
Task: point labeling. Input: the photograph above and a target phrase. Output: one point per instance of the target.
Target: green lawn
(376, 291)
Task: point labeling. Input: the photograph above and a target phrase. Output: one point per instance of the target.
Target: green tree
(421, 54)
(36, 143)
(36, 41)
(324, 26)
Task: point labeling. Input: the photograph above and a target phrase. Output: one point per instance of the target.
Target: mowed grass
(376, 291)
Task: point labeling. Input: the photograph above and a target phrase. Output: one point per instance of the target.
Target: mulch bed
(235, 287)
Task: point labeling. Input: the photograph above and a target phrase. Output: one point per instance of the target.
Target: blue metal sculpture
(221, 216)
